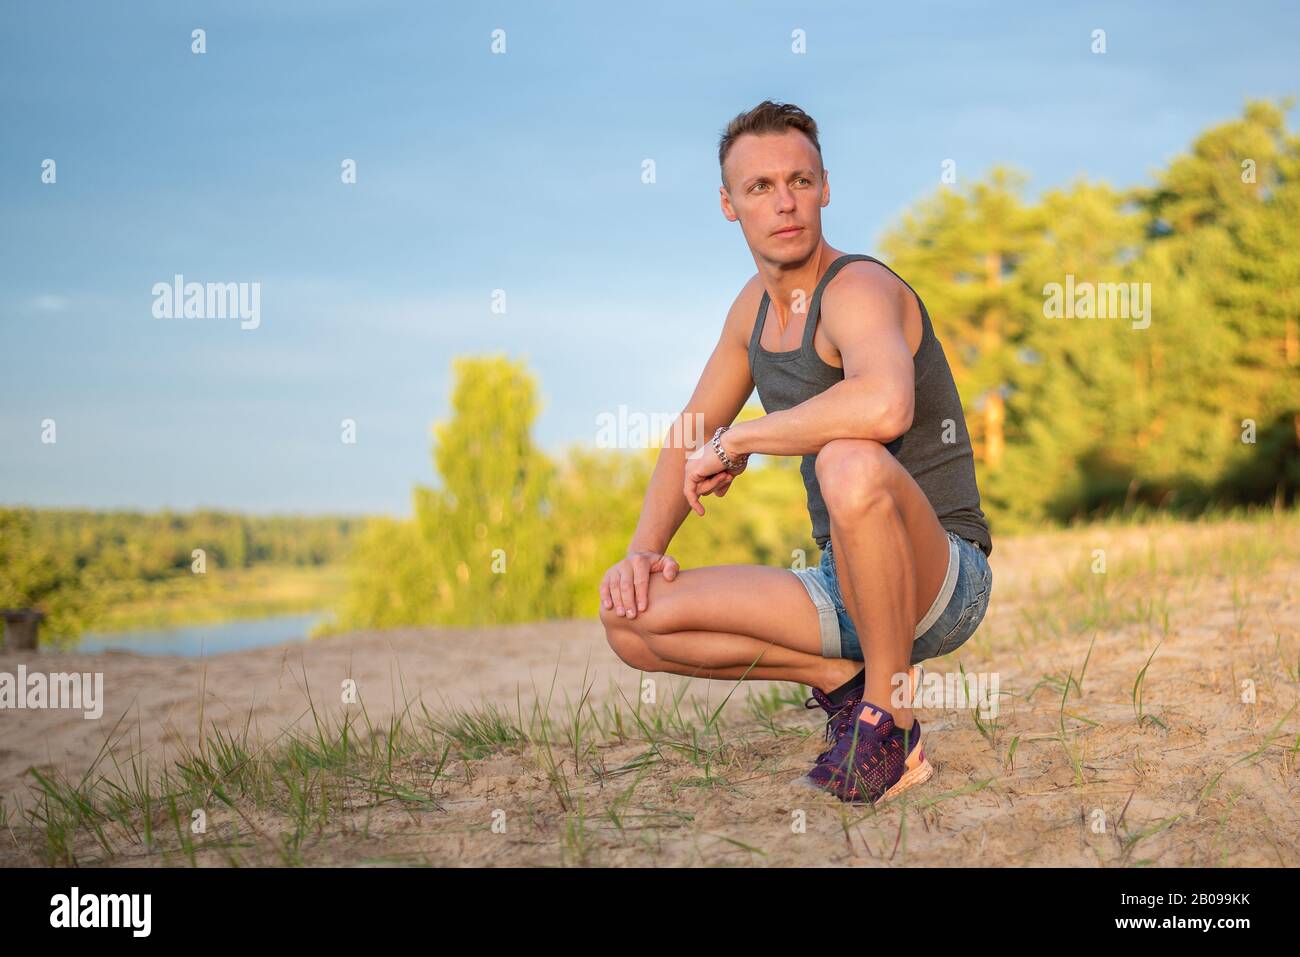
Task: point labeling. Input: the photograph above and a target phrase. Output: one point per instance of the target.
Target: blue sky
(476, 172)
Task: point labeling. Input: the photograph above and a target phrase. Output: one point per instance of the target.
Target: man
(853, 380)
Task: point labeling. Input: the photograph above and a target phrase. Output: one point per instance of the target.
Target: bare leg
(716, 622)
(891, 555)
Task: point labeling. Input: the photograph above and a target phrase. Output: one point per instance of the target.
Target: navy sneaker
(837, 716)
(872, 760)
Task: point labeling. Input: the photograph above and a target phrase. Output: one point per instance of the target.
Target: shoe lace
(837, 719)
(838, 716)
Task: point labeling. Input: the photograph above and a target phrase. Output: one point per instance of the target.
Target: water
(194, 641)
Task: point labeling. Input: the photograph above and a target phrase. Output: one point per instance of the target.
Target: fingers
(710, 485)
(626, 587)
(717, 484)
(626, 591)
(640, 582)
(612, 592)
(692, 498)
(666, 565)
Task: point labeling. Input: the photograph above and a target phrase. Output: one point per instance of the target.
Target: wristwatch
(734, 466)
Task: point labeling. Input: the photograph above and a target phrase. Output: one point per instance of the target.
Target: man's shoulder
(743, 314)
(866, 278)
(750, 293)
(861, 289)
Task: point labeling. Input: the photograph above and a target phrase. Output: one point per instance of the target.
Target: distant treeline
(150, 545)
(66, 561)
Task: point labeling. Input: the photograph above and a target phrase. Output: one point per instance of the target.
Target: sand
(1107, 791)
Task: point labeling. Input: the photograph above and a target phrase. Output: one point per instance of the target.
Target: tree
(35, 575)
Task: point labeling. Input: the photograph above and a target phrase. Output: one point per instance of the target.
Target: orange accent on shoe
(913, 776)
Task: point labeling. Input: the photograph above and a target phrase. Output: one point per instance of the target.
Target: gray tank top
(945, 471)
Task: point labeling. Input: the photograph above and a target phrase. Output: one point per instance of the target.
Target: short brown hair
(767, 117)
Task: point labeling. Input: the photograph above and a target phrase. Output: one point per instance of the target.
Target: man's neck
(790, 285)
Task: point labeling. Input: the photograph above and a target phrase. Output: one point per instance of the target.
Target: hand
(626, 586)
(705, 473)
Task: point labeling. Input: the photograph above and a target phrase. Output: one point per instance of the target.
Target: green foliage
(1095, 414)
(488, 525)
(84, 568)
(36, 574)
(512, 536)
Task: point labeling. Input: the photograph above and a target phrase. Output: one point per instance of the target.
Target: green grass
(266, 803)
(1141, 585)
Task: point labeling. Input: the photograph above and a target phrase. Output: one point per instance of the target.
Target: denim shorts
(957, 611)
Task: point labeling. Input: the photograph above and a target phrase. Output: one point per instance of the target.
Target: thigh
(759, 601)
(854, 461)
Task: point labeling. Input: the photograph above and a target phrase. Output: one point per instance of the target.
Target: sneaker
(839, 717)
(873, 760)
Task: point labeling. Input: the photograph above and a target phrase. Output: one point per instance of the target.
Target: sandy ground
(159, 698)
(1209, 787)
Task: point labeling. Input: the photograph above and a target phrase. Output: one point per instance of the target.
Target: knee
(659, 617)
(631, 648)
(611, 619)
(855, 475)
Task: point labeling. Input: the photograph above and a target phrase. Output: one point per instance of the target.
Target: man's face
(776, 188)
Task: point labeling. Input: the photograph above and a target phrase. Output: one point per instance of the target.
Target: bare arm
(864, 318)
(718, 398)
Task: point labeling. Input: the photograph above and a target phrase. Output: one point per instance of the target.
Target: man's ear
(724, 201)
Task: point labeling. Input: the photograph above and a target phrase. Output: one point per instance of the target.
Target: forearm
(665, 506)
(850, 409)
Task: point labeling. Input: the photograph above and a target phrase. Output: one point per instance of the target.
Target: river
(194, 641)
